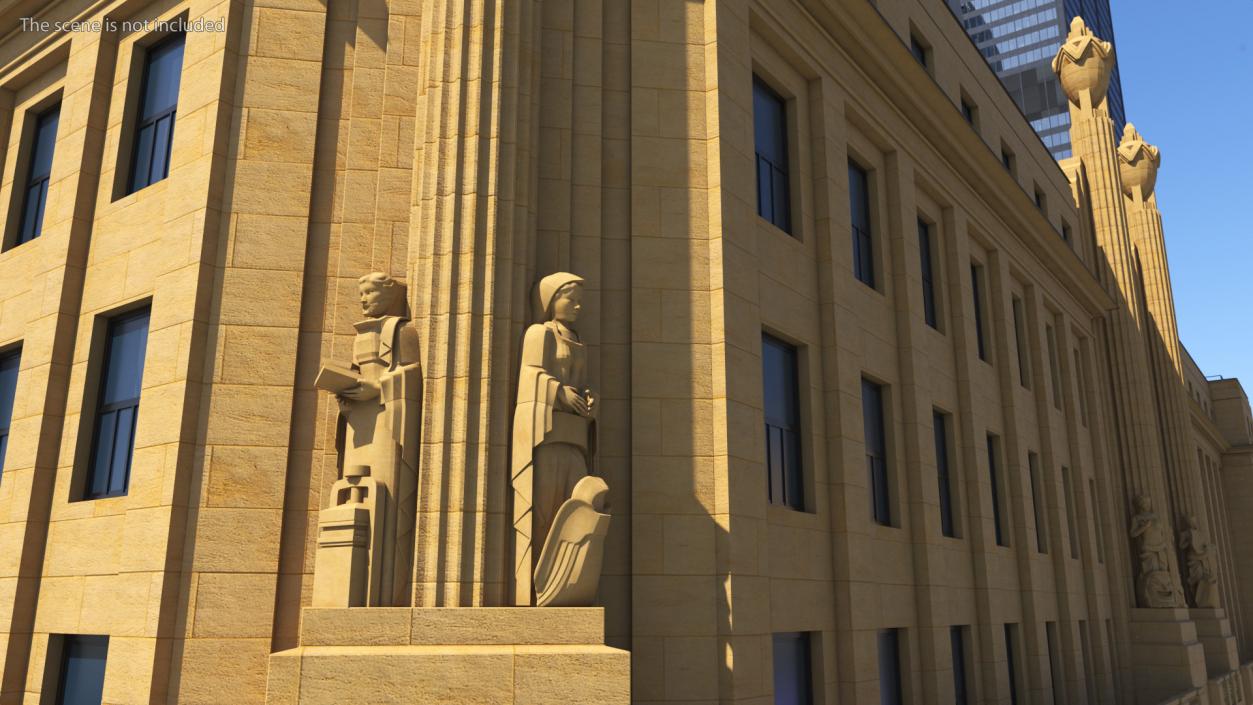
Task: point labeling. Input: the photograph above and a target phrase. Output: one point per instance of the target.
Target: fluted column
(471, 262)
(1138, 164)
(1083, 64)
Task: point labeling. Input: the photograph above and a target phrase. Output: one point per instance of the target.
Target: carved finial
(1083, 64)
(1138, 162)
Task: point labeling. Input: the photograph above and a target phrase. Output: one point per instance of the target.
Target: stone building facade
(993, 440)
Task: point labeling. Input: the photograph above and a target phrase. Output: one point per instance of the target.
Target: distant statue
(1154, 585)
(1202, 573)
(379, 397)
(554, 432)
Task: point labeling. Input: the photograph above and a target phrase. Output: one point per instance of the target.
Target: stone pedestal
(1213, 630)
(463, 655)
(1168, 659)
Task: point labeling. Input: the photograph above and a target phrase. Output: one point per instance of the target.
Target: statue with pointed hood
(553, 426)
(379, 397)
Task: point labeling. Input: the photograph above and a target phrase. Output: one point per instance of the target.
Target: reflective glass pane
(791, 669)
(165, 64)
(45, 140)
(124, 368)
(124, 442)
(106, 424)
(82, 673)
(4, 446)
(8, 386)
(143, 158)
(769, 127)
(31, 213)
(889, 667)
(161, 149)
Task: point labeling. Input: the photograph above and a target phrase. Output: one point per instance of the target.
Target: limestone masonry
(366, 352)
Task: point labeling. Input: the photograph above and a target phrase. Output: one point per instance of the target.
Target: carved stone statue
(1154, 584)
(556, 507)
(379, 397)
(1202, 574)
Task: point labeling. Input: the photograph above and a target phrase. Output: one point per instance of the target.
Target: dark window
(781, 396)
(8, 390)
(1055, 373)
(1007, 159)
(1010, 662)
(792, 679)
(890, 667)
(1039, 199)
(1089, 668)
(38, 174)
(1020, 344)
(918, 49)
(940, 424)
(876, 451)
(1066, 232)
(770, 135)
(927, 257)
(117, 409)
(994, 479)
(1041, 532)
(1050, 636)
(976, 288)
(859, 209)
(154, 125)
(1081, 392)
(1096, 522)
(957, 642)
(81, 680)
(1069, 498)
(968, 111)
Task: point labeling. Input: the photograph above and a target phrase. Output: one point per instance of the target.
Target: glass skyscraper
(1019, 39)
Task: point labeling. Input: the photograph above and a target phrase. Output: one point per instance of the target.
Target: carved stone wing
(568, 572)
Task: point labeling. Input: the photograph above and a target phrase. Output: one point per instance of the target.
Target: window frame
(1035, 483)
(863, 240)
(978, 295)
(994, 472)
(1018, 313)
(888, 643)
(787, 481)
(89, 437)
(8, 356)
(949, 525)
(32, 155)
(878, 459)
(786, 106)
(138, 122)
(929, 273)
(61, 648)
(805, 664)
(960, 664)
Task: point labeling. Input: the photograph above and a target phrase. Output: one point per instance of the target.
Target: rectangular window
(793, 682)
(957, 642)
(154, 119)
(997, 526)
(1096, 522)
(770, 137)
(1011, 665)
(8, 391)
(117, 407)
(968, 111)
(1039, 200)
(1071, 529)
(976, 288)
(918, 49)
(1089, 667)
(1041, 532)
(876, 451)
(1081, 382)
(38, 175)
(1055, 676)
(781, 397)
(1066, 232)
(1020, 343)
(1055, 373)
(939, 422)
(80, 680)
(890, 667)
(859, 210)
(1007, 158)
(927, 260)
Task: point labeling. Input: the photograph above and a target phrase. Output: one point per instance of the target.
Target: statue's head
(381, 295)
(1144, 503)
(561, 297)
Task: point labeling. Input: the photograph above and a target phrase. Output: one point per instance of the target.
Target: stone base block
(1168, 657)
(489, 655)
(1213, 630)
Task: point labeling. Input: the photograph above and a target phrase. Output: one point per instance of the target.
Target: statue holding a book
(366, 534)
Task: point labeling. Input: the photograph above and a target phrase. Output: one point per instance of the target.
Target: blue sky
(1187, 78)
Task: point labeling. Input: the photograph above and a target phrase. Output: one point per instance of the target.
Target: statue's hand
(361, 392)
(573, 400)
